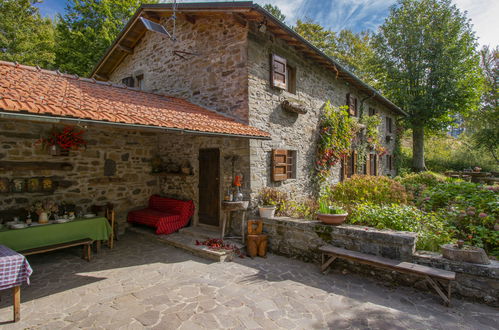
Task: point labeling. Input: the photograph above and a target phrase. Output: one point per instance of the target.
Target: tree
(275, 11)
(25, 36)
(428, 63)
(352, 50)
(87, 29)
(483, 124)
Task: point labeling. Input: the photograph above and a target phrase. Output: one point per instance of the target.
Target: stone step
(187, 242)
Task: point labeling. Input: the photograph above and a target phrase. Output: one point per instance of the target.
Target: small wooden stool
(256, 243)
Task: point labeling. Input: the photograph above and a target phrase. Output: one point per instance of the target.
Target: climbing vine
(336, 133)
(369, 139)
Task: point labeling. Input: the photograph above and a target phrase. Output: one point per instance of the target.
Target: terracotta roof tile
(34, 90)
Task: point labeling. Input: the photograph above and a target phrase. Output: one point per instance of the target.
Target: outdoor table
(14, 270)
(37, 236)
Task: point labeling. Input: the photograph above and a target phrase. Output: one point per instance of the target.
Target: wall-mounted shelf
(170, 174)
(34, 166)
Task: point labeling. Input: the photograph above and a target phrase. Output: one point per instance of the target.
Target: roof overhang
(134, 31)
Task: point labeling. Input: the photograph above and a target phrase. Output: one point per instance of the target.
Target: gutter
(62, 120)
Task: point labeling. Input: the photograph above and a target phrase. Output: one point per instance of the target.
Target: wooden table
(14, 270)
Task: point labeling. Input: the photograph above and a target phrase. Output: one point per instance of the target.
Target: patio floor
(144, 283)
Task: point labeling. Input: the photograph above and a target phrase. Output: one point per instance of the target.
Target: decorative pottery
(267, 211)
(332, 219)
(43, 217)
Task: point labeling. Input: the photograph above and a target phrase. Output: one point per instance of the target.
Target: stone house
(248, 94)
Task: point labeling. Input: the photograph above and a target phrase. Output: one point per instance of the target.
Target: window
(372, 111)
(389, 124)
(352, 105)
(282, 75)
(389, 162)
(372, 164)
(128, 81)
(349, 165)
(139, 78)
(283, 164)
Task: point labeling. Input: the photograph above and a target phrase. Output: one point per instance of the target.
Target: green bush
(367, 189)
(430, 227)
(471, 211)
(306, 209)
(416, 183)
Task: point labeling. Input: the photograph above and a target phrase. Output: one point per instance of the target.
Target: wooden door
(209, 187)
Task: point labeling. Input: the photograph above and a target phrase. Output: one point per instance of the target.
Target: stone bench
(432, 275)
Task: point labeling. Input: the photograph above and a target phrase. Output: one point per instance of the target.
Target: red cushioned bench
(167, 215)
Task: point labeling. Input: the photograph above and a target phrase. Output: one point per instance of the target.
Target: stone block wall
(215, 77)
(184, 148)
(114, 168)
(300, 239)
(314, 86)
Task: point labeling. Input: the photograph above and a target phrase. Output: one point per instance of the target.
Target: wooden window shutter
(343, 174)
(354, 162)
(279, 165)
(372, 111)
(352, 105)
(389, 124)
(278, 72)
(373, 164)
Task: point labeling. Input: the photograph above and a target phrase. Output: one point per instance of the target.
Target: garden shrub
(429, 226)
(272, 196)
(367, 189)
(306, 209)
(416, 183)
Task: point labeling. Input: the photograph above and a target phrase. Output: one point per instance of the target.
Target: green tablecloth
(38, 236)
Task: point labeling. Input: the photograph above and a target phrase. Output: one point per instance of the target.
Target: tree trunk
(418, 164)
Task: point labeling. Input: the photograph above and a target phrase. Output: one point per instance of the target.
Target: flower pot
(332, 219)
(267, 211)
(471, 254)
(43, 217)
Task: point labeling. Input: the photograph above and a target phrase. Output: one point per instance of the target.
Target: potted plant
(44, 209)
(331, 214)
(270, 201)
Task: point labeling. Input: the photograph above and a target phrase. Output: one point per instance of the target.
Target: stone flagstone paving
(146, 284)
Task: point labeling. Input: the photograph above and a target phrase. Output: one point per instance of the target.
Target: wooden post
(16, 295)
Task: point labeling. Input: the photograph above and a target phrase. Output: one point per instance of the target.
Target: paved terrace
(144, 283)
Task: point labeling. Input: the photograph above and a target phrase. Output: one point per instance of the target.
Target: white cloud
(359, 15)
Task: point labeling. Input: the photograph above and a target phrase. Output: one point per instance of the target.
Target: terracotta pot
(332, 219)
(43, 217)
(267, 211)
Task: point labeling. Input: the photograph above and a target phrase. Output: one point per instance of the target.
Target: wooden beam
(101, 77)
(125, 49)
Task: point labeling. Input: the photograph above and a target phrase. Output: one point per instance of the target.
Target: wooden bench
(432, 275)
(86, 242)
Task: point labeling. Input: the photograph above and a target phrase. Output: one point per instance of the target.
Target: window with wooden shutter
(372, 111)
(128, 81)
(278, 72)
(349, 165)
(373, 164)
(283, 164)
(389, 162)
(352, 104)
(389, 124)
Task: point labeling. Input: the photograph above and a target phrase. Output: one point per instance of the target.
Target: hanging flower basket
(60, 142)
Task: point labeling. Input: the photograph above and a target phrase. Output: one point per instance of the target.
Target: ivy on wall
(336, 133)
(369, 139)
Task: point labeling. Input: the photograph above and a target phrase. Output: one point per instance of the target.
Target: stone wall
(214, 78)
(113, 168)
(184, 148)
(314, 86)
(300, 239)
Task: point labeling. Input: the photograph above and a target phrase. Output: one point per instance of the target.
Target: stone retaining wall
(300, 239)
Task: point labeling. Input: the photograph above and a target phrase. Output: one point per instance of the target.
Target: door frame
(197, 223)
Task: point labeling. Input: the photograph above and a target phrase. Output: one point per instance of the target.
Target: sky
(357, 15)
